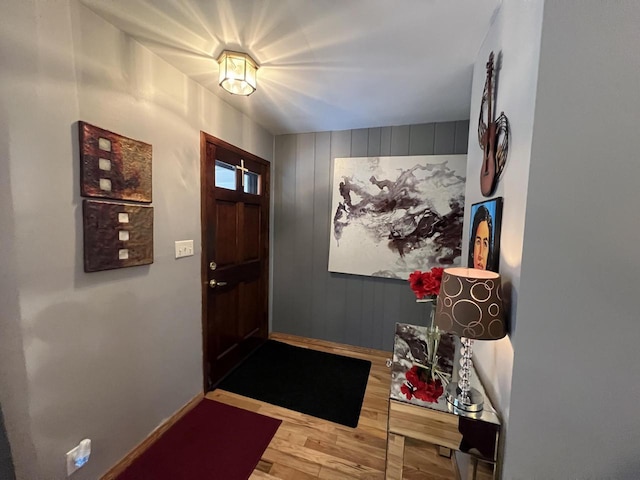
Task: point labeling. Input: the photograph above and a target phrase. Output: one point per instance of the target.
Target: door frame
(204, 267)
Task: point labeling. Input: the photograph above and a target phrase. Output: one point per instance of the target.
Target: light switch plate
(184, 248)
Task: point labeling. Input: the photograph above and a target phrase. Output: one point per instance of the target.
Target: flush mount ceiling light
(237, 73)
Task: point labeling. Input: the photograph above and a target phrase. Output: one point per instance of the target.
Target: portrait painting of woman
(484, 236)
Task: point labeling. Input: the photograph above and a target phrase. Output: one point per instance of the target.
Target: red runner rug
(212, 441)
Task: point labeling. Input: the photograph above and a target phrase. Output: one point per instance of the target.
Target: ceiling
(324, 64)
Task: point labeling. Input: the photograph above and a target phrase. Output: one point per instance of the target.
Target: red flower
(416, 283)
(429, 391)
(413, 377)
(408, 391)
(426, 283)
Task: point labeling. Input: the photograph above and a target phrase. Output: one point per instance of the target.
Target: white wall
(574, 400)
(106, 355)
(514, 37)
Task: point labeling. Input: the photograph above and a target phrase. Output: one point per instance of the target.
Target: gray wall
(574, 399)
(6, 461)
(514, 37)
(307, 299)
(106, 355)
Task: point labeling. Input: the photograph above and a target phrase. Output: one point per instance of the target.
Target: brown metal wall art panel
(113, 166)
(116, 235)
(227, 226)
(251, 232)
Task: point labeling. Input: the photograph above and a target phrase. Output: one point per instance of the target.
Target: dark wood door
(235, 257)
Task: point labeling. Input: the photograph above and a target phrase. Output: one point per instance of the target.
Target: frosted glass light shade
(238, 73)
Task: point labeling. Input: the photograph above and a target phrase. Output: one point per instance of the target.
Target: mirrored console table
(436, 421)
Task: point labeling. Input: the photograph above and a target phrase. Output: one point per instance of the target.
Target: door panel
(249, 311)
(251, 226)
(226, 304)
(235, 255)
(226, 233)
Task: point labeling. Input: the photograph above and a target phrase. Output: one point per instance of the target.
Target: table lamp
(469, 306)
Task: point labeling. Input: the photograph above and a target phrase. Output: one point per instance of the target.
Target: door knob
(214, 283)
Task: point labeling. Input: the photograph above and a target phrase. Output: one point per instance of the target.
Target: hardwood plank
(284, 472)
(329, 474)
(306, 447)
(264, 467)
(353, 454)
(259, 475)
(285, 458)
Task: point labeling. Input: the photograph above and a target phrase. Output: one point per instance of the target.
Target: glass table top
(409, 349)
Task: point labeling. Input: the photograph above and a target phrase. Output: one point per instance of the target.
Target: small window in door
(225, 175)
(251, 182)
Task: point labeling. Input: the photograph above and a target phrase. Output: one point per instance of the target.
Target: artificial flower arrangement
(426, 284)
(428, 391)
(426, 382)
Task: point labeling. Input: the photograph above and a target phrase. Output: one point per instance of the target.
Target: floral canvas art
(391, 216)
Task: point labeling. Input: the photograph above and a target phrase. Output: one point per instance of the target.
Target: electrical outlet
(78, 456)
(184, 248)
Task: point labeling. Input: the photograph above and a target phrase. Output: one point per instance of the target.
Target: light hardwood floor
(306, 447)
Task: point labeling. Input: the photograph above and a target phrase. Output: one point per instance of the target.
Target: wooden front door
(235, 255)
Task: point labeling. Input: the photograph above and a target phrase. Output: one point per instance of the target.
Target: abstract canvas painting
(391, 216)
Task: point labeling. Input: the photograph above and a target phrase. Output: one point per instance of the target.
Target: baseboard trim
(119, 467)
(286, 337)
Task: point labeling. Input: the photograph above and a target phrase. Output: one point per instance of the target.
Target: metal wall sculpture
(116, 235)
(112, 166)
(493, 135)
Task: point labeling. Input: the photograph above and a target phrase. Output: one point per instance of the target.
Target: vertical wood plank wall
(308, 300)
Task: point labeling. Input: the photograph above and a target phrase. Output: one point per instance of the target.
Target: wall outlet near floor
(184, 248)
(78, 456)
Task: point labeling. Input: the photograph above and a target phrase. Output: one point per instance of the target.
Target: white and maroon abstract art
(391, 216)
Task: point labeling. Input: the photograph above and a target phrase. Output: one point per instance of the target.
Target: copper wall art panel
(116, 235)
(113, 166)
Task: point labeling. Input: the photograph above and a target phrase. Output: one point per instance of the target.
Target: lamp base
(472, 404)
